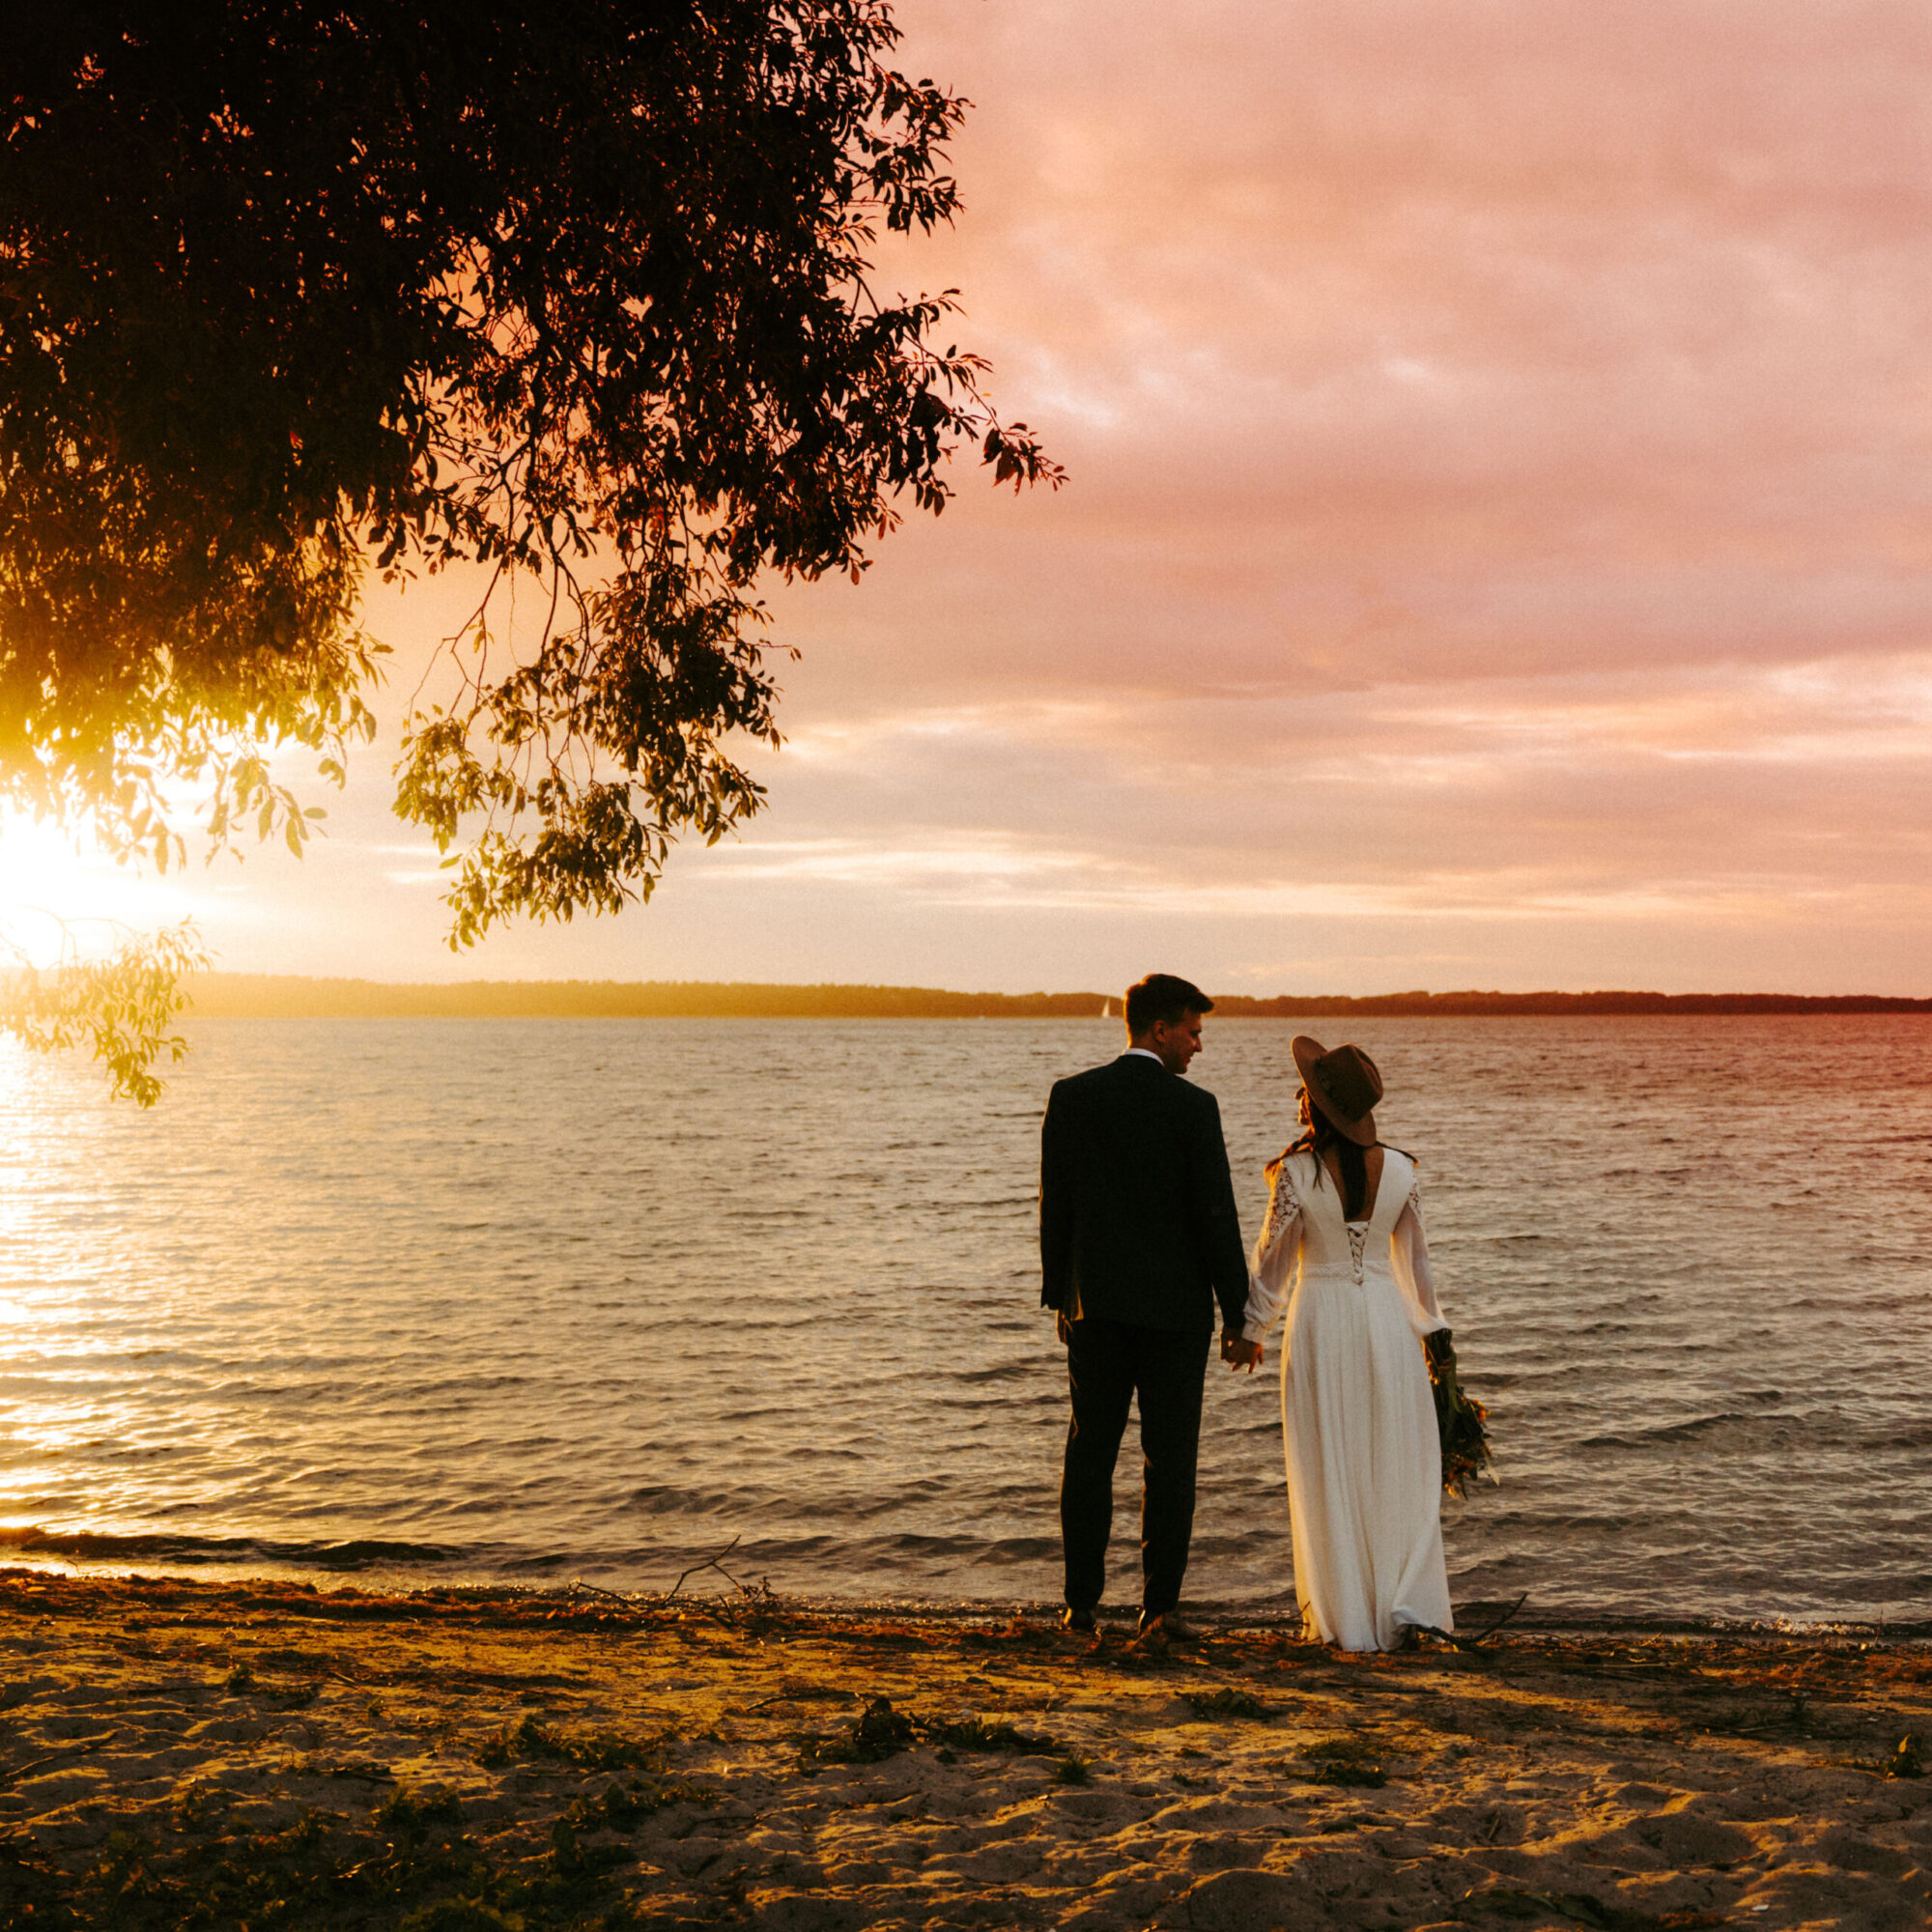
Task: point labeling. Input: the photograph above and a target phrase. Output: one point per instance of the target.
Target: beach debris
(578, 1587)
(623, 1805)
(576, 1860)
(297, 1697)
(356, 1771)
(1073, 1769)
(880, 1731)
(1228, 1702)
(309, 1666)
(978, 1734)
(593, 1750)
(1346, 1761)
(1021, 1630)
(1455, 1639)
(1907, 1760)
(879, 1727)
(797, 1691)
(241, 1682)
(414, 1812)
(760, 1592)
(876, 1733)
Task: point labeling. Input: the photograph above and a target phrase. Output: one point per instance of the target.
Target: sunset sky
(1499, 548)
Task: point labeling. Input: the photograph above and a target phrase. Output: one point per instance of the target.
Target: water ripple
(499, 1298)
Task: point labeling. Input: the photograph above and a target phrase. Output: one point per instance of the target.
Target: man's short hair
(1159, 997)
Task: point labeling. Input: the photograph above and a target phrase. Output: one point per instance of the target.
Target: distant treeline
(278, 996)
(1505, 1006)
(262, 996)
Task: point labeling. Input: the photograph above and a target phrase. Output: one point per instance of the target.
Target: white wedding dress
(1364, 1466)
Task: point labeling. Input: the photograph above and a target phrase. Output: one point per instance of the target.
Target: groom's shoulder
(1103, 1075)
(1133, 1077)
(1199, 1103)
(1111, 1079)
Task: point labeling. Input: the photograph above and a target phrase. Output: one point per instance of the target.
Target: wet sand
(262, 1756)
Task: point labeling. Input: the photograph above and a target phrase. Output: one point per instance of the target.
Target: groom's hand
(1238, 1352)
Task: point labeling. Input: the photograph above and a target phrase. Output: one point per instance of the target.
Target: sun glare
(54, 897)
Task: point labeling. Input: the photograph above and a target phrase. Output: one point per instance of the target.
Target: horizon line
(289, 995)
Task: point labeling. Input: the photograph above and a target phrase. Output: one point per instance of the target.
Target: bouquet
(1462, 1422)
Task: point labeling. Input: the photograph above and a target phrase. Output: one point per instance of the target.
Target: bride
(1343, 1245)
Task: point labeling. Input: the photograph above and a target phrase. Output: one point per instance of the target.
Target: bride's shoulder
(1294, 1171)
(1401, 1167)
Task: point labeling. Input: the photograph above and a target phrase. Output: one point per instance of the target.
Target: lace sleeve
(1275, 1252)
(1409, 1255)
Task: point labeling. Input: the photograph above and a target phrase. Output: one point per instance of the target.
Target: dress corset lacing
(1358, 1240)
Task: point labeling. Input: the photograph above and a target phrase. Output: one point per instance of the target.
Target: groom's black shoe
(1079, 1622)
(1170, 1627)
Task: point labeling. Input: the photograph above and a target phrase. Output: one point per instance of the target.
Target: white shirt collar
(1146, 1052)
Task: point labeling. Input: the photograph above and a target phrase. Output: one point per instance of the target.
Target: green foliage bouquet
(1462, 1422)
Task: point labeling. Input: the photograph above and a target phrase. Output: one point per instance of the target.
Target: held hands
(1239, 1353)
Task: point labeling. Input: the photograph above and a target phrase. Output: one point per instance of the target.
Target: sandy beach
(184, 1753)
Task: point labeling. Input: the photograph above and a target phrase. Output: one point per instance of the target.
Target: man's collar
(1145, 1053)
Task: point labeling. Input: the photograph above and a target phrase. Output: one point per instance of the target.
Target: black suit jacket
(1137, 1219)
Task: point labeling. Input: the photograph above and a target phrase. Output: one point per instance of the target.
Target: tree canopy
(291, 292)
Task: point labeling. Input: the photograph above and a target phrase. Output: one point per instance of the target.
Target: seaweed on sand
(591, 1750)
(876, 1733)
(1907, 1761)
(413, 1813)
(1228, 1702)
(407, 1864)
(1347, 1761)
(976, 1734)
(881, 1732)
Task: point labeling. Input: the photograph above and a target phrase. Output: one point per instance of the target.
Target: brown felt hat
(1345, 1084)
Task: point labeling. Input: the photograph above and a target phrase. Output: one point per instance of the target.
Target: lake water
(541, 1300)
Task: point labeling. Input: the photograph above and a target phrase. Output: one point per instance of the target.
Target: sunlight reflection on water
(553, 1298)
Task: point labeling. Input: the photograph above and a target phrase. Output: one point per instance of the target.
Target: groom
(1138, 1239)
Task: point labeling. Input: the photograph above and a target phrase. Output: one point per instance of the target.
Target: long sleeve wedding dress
(1364, 1467)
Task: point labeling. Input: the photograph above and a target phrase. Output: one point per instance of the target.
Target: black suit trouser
(1108, 1365)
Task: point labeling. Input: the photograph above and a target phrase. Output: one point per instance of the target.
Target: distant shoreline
(288, 996)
